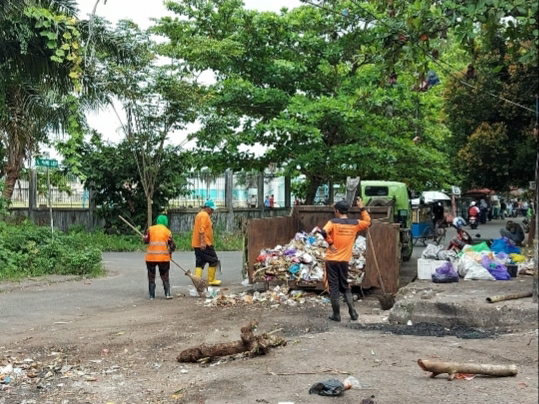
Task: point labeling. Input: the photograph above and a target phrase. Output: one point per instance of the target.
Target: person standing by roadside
(272, 201)
(266, 202)
(202, 242)
(160, 247)
(503, 208)
(340, 233)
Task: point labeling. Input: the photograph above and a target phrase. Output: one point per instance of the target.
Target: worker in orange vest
(202, 242)
(160, 248)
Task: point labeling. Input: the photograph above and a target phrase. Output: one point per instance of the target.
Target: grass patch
(224, 241)
(27, 250)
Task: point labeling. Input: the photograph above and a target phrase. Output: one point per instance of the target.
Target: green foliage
(302, 85)
(4, 203)
(111, 172)
(492, 140)
(27, 250)
(224, 241)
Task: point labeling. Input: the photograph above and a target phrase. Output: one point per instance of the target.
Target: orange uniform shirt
(202, 225)
(342, 234)
(158, 247)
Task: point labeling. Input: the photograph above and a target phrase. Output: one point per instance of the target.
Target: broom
(200, 284)
(387, 300)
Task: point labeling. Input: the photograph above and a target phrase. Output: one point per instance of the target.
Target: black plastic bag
(331, 387)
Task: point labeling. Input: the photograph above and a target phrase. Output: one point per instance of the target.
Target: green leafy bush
(28, 250)
(224, 241)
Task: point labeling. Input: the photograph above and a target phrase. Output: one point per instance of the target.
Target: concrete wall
(63, 218)
(180, 220)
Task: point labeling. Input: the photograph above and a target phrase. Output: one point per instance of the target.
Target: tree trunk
(536, 230)
(311, 192)
(149, 209)
(452, 368)
(252, 344)
(12, 174)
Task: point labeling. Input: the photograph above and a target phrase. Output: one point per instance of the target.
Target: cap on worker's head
(342, 206)
(162, 219)
(473, 203)
(209, 204)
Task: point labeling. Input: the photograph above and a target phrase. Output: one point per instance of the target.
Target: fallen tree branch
(452, 368)
(500, 298)
(251, 344)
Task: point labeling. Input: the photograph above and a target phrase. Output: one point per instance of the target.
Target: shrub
(28, 250)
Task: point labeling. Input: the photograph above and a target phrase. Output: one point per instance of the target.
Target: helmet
(162, 219)
(473, 203)
(209, 204)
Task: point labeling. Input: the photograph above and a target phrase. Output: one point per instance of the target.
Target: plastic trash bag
(447, 255)
(472, 270)
(504, 245)
(351, 383)
(480, 247)
(445, 274)
(498, 271)
(517, 258)
(431, 251)
(331, 387)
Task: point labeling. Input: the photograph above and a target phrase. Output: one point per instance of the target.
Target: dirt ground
(128, 355)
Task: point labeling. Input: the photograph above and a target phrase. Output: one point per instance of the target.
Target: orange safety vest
(157, 250)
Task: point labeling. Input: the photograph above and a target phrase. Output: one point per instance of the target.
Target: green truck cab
(397, 195)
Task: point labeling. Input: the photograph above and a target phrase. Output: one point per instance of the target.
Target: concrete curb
(464, 304)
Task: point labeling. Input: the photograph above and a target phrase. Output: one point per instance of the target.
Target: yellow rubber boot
(211, 277)
(198, 272)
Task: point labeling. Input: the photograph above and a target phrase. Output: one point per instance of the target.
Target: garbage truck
(266, 239)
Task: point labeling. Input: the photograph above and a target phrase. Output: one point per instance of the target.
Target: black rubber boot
(350, 302)
(152, 290)
(336, 306)
(166, 285)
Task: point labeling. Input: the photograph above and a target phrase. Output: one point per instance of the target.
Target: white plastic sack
(360, 245)
(317, 273)
(431, 251)
(447, 255)
(472, 270)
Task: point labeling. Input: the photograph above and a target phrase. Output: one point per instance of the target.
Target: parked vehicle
(396, 194)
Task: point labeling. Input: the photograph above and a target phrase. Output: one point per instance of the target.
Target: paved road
(126, 285)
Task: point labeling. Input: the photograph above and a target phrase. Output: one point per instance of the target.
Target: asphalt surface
(27, 305)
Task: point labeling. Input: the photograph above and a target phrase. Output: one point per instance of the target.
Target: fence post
(287, 192)
(91, 208)
(260, 193)
(229, 200)
(32, 193)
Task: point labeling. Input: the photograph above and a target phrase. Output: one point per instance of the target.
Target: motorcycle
(474, 221)
(526, 225)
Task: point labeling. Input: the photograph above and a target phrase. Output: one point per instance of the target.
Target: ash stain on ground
(426, 330)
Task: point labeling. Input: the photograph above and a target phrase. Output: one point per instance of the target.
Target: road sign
(50, 163)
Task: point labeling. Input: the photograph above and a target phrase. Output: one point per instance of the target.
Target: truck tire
(407, 249)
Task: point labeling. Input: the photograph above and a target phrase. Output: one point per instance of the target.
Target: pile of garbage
(274, 297)
(498, 260)
(302, 259)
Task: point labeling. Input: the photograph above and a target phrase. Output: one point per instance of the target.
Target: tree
(156, 101)
(301, 85)
(112, 174)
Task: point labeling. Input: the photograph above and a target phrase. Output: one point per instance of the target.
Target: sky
(142, 12)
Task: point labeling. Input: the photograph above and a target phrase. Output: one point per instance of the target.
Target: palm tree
(34, 89)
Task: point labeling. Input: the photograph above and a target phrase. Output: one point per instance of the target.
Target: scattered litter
(409, 322)
(465, 376)
(331, 387)
(184, 371)
(303, 260)
(274, 297)
(245, 282)
(351, 383)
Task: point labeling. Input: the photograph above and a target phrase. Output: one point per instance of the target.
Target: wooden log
(452, 368)
(251, 344)
(500, 298)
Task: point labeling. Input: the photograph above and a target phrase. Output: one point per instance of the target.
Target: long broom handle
(376, 261)
(142, 235)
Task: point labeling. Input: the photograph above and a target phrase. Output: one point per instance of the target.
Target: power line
(436, 61)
